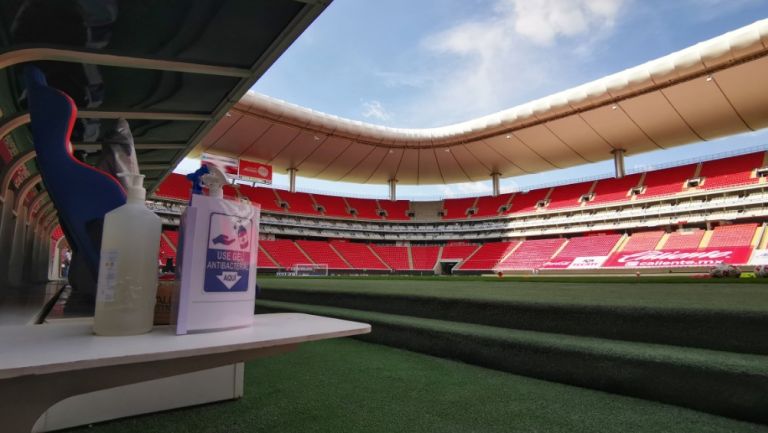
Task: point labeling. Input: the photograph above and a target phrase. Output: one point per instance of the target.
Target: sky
(428, 63)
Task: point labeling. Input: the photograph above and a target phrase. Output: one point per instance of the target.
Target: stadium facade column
(392, 189)
(495, 176)
(292, 178)
(618, 162)
(19, 245)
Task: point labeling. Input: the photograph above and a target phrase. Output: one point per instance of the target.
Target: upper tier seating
(364, 208)
(298, 202)
(358, 255)
(728, 172)
(566, 196)
(263, 196)
(285, 252)
(334, 206)
(489, 206)
(321, 253)
(394, 256)
(424, 258)
(611, 190)
(643, 241)
(667, 182)
(736, 235)
(174, 187)
(487, 256)
(456, 208)
(683, 239)
(531, 254)
(457, 251)
(588, 246)
(396, 210)
(526, 201)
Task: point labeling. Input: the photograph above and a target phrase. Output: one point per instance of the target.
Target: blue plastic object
(197, 180)
(81, 193)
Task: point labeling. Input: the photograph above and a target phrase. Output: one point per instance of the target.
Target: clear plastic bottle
(127, 284)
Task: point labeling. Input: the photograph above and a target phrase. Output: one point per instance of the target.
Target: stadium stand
(424, 258)
(396, 210)
(454, 251)
(683, 239)
(566, 196)
(321, 253)
(612, 190)
(298, 202)
(358, 255)
(333, 206)
(168, 243)
(263, 196)
(587, 246)
(736, 235)
(643, 241)
(489, 206)
(733, 171)
(487, 256)
(285, 252)
(174, 187)
(531, 254)
(396, 257)
(264, 261)
(526, 201)
(457, 208)
(364, 208)
(668, 181)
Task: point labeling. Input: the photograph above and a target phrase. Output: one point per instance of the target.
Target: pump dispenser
(127, 283)
(214, 180)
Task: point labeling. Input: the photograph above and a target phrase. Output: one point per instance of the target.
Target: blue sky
(427, 63)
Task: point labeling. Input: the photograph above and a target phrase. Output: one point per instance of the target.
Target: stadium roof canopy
(712, 89)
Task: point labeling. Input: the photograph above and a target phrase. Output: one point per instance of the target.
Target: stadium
(627, 301)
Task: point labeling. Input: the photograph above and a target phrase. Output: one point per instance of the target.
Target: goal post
(310, 269)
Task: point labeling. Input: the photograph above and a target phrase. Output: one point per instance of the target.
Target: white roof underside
(712, 89)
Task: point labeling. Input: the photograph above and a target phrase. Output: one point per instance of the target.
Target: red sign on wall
(255, 172)
(679, 258)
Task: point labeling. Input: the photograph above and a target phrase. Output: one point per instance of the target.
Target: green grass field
(350, 386)
(664, 292)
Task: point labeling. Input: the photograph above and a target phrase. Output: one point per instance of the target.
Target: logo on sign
(228, 256)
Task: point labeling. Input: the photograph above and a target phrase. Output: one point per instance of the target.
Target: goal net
(310, 270)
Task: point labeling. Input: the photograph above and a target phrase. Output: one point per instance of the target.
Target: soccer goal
(310, 269)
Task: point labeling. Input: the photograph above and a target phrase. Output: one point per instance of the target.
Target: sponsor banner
(227, 165)
(679, 258)
(589, 262)
(759, 257)
(255, 172)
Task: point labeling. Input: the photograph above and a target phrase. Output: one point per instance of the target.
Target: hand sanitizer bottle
(127, 283)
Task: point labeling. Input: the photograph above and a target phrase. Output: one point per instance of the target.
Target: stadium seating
(456, 208)
(298, 202)
(531, 254)
(643, 241)
(566, 196)
(457, 251)
(526, 201)
(364, 208)
(667, 182)
(613, 190)
(424, 258)
(359, 255)
(395, 257)
(285, 252)
(728, 172)
(488, 206)
(264, 262)
(683, 239)
(736, 235)
(263, 196)
(168, 243)
(174, 187)
(396, 210)
(334, 206)
(588, 246)
(487, 256)
(321, 253)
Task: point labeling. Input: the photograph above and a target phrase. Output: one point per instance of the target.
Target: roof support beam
(495, 181)
(618, 163)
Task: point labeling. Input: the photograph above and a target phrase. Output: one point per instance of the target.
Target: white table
(41, 365)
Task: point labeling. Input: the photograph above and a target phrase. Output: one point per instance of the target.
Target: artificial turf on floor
(351, 386)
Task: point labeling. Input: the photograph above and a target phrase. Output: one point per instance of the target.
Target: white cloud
(374, 110)
(466, 189)
(543, 20)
